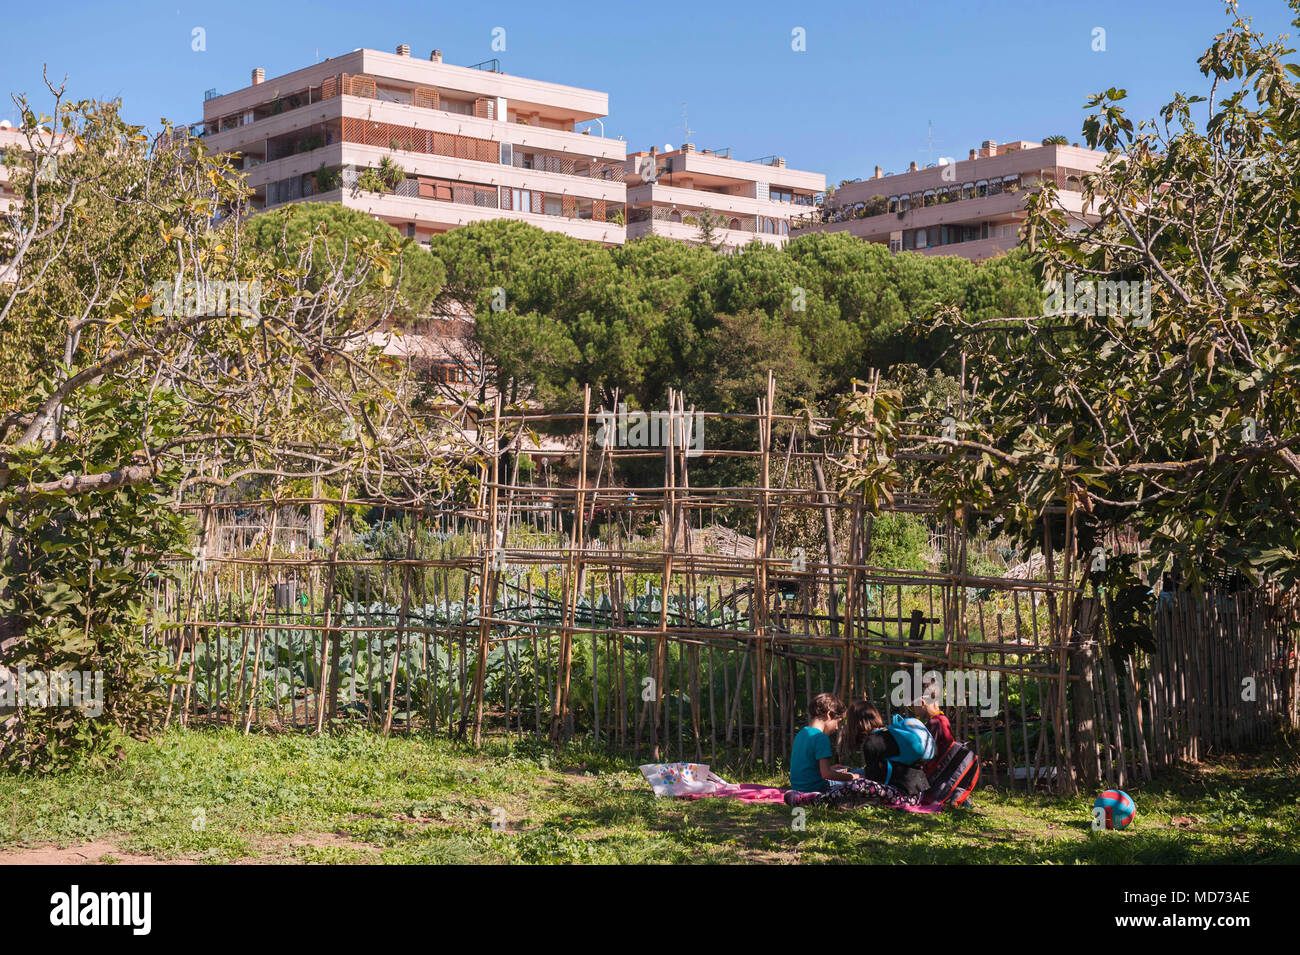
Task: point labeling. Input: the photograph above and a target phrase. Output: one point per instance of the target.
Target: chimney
(435, 56)
(403, 49)
(780, 162)
(259, 75)
(973, 155)
(989, 147)
(688, 147)
(911, 167)
(880, 173)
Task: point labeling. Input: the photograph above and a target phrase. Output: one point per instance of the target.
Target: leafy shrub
(76, 578)
(899, 540)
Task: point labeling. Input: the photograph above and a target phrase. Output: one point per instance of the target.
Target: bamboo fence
(597, 610)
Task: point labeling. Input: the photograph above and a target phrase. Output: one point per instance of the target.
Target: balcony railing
(567, 165)
(462, 194)
(431, 189)
(1066, 180)
(690, 217)
(407, 139)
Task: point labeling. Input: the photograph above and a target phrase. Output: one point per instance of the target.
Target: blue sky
(861, 93)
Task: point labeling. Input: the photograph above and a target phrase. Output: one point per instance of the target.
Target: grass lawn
(216, 796)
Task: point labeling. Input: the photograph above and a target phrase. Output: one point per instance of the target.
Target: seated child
(928, 712)
(810, 756)
(889, 776)
(882, 750)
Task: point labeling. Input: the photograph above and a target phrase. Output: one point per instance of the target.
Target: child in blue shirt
(810, 757)
(881, 781)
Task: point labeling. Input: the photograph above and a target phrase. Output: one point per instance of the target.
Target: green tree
(174, 355)
(710, 223)
(1171, 411)
(340, 238)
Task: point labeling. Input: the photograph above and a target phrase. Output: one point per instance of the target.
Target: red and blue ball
(1117, 807)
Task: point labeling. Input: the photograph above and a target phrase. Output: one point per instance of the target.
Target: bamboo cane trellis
(536, 610)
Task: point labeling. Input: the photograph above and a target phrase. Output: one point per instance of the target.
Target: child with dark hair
(885, 778)
(810, 756)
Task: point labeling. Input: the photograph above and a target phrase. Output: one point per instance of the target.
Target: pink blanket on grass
(745, 792)
(755, 792)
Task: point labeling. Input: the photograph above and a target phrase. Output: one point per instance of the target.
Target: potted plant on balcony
(370, 181)
(327, 180)
(390, 173)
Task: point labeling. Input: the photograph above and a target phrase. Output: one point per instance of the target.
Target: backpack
(954, 778)
(915, 744)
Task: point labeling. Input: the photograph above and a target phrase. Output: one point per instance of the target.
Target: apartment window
(507, 154)
(522, 200)
(781, 195)
(447, 374)
(553, 206)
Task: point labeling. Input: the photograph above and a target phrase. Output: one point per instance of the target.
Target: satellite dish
(668, 147)
(5, 124)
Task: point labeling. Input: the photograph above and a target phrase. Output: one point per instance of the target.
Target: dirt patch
(273, 850)
(86, 853)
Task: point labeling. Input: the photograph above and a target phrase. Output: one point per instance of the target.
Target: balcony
(465, 208)
(566, 165)
(683, 225)
(418, 110)
(420, 199)
(405, 140)
(722, 203)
